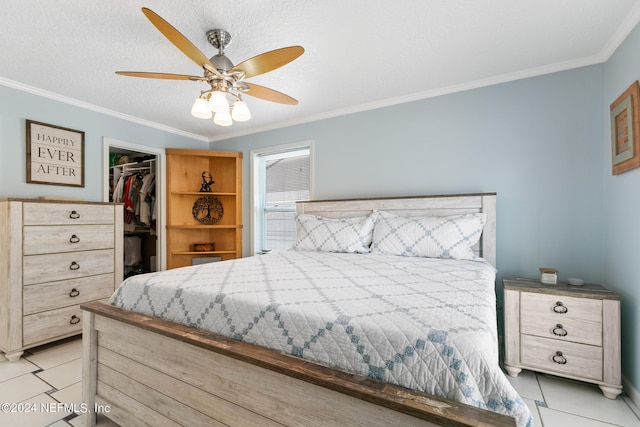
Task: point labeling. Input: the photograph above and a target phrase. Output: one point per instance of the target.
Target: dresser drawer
(47, 296)
(67, 214)
(52, 267)
(580, 360)
(51, 324)
(66, 238)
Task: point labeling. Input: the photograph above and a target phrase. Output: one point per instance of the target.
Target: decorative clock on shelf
(208, 210)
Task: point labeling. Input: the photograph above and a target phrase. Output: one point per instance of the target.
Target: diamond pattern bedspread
(421, 323)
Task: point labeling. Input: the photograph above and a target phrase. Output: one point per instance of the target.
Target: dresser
(54, 256)
(564, 330)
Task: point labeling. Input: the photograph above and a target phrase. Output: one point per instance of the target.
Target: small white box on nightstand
(548, 275)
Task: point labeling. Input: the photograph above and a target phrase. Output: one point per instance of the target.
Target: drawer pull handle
(559, 331)
(559, 358)
(74, 266)
(74, 293)
(74, 215)
(560, 308)
(74, 320)
(74, 239)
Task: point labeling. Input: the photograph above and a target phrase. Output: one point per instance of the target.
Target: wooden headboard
(440, 205)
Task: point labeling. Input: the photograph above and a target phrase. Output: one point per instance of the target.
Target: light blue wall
(16, 106)
(622, 212)
(536, 142)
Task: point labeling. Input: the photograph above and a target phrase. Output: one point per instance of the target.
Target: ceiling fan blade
(269, 61)
(269, 94)
(166, 76)
(180, 41)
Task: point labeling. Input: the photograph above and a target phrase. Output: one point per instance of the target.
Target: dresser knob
(559, 358)
(74, 239)
(74, 215)
(560, 308)
(559, 331)
(74, 320)
(74, 293)
(74, 266)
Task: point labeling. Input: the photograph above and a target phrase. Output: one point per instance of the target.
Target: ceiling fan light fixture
(240, 112)
(225, 79)
(201, 109)
(218, 102)
(223, 118)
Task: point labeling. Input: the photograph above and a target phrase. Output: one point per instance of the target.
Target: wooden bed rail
(132, 395)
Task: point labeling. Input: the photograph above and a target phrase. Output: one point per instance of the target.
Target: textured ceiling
(360, 54)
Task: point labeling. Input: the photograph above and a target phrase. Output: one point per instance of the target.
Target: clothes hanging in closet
(137, 194)
(147, 212)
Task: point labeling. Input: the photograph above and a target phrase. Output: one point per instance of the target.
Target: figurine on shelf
(207, 182)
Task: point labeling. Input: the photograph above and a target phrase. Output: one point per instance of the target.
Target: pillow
(320, 234)
(432, 237)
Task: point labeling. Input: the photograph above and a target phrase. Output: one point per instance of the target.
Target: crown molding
(504, 78)
(85, 105)
(623, 31)
(631, 21)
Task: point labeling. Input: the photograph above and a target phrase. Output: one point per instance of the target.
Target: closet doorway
(129, 168)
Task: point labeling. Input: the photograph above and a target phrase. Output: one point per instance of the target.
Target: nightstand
(564, 330)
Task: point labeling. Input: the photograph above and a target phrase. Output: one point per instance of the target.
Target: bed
(339, 331)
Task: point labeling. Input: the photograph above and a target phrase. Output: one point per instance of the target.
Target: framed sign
(625, 130)
(55, 155)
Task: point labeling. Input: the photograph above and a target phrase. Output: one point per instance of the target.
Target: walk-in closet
(133, 179)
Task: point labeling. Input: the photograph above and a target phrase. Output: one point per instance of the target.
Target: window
(281, 176)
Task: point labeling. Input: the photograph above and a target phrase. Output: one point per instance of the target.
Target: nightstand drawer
(47, 296)
(66, 238)
(52, 267)
(560, 307)
(564, 358)
(51, 324)
(67, 214)
(564, 329)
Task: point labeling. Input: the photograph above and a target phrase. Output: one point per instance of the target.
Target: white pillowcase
(432, 237)
(320, 234)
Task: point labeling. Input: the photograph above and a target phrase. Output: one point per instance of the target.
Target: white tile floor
(51, 374)
(557, 402)
(43, 378)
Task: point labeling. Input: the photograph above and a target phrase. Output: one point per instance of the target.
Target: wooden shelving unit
(184, 178)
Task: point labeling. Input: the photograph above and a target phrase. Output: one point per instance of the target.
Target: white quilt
(422, 323)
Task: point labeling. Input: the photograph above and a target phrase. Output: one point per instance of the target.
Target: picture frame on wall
(625, 130)
(55, 155)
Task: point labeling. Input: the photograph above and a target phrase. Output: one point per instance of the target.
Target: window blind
(286, 181)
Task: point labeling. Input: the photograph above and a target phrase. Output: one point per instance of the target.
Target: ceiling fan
(227, 81)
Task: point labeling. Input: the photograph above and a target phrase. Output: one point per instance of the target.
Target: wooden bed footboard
(139, 370)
